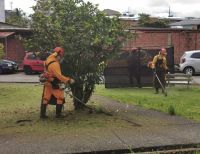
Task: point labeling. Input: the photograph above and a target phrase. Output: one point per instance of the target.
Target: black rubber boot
(59, 110)
(43, 111)
(157, 91)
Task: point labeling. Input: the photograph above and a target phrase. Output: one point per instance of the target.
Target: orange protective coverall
(55, 71)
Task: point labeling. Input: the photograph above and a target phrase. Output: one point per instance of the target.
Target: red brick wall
(182, 40)
(15, 49)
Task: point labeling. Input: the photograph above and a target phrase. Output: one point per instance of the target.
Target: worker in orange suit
(53, 82)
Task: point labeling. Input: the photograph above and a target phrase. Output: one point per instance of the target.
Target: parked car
(8, 66)
(190, 62)
(33, 63)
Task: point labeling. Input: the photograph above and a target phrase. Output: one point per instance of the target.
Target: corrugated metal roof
(5, 34)
(159, 29)
(8, 27)
(186, 22)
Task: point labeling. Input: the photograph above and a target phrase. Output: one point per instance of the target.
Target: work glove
(71, 81)
(167, 71)
(43, 78)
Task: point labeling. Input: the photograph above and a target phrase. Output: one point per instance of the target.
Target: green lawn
(22, 102)
(185, 102)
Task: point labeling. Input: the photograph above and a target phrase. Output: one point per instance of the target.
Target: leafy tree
(87, 35)
(17, 17)
(146, 21)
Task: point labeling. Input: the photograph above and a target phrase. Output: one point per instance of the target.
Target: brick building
(10, 37)
(181, 39)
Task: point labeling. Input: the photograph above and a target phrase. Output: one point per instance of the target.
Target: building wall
(182, 40)
(2, 11)
(14, 49)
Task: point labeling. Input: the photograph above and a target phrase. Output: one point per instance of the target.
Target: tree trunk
(83, 93)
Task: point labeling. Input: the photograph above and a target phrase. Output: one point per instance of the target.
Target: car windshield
(38, 56)
(196, 55)
(6, 61)
(32, 57)
(43, 55)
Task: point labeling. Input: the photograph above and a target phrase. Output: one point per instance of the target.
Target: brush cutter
(67, 91)
(163, 89)
(91, 109)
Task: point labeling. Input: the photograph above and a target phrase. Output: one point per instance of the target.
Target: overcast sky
(179, 8)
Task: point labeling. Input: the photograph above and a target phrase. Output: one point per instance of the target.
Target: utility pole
(11, 4)
(170, 15)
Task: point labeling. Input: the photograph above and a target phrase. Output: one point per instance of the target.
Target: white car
(190, 62)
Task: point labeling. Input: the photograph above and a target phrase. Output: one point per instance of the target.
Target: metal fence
(130, 68)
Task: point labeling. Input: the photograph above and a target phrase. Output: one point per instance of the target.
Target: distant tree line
(146, 21)
(17, 17)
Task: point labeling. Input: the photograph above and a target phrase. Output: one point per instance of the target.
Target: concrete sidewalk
(144, 129)
(19, 77)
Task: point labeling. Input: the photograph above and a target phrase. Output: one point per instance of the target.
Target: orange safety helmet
(163, 51)
(59, 50)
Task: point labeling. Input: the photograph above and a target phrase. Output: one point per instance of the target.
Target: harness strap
(46, 66)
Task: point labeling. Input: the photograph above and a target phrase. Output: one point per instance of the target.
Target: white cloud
(25, 5)
(186, 10)
(159, 3)
(186, 1)
(181, 8)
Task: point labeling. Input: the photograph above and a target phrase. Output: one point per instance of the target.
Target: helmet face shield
(60, 51)
(163, 51)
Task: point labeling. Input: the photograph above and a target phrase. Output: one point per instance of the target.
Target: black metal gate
(130, 69)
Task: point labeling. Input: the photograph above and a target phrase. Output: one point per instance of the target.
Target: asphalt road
(20, 77)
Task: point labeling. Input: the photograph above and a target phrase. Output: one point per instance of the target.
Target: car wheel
(27, 70)
(1, 71)
(189, 70)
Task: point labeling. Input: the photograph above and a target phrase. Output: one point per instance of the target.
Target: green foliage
(17, 17)
(87, 35)
(171, 110)
(1, 50)
(146, 21)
